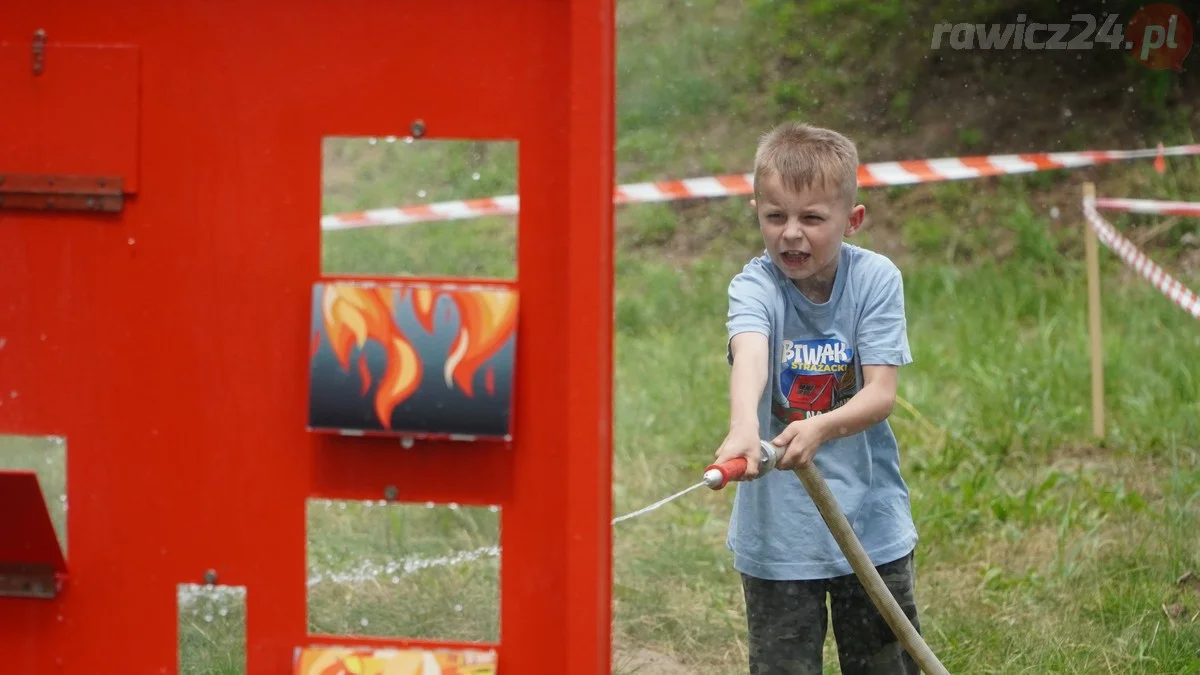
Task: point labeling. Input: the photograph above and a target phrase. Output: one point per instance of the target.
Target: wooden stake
(1092, 246)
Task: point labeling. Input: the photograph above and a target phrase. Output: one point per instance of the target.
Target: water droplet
(131, 241)
(421, 194)
(391, 139)
(408, 140)
(208, 618)
(2, 343)
(342, 506)
(494, 509)
(458, 608)
(475, 176)
(43, 337)
(223, 612)
(372, 141)
(406, 442)
(453, 506)
(364, 621)
(429, 505)
(13, 393)
(1054, 212)
(395, 580)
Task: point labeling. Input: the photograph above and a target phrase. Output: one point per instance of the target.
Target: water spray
(717, 476)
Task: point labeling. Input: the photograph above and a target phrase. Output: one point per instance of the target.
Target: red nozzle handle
(731, 470)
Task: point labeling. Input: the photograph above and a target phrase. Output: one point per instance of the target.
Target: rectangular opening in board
(388, 570)
(212, 629)
(47, 457)
(428, 207)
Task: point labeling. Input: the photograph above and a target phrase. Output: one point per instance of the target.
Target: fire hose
(717, 476)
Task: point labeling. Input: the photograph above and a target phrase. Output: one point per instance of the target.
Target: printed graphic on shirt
(816, 376)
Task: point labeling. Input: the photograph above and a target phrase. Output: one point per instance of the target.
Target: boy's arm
(749, 326)
(870, 406)
(747, 379)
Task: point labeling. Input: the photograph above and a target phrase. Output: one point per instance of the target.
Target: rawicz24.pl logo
(1158, 36)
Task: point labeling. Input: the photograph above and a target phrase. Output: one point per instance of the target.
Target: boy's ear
(857, 215)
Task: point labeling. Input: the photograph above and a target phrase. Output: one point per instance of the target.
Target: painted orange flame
(488, 319)
(423, 300)
(364, 661)
(355, 314)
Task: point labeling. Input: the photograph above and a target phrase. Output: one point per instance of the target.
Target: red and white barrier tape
(875, 174)
(1149, 206)
(1108, 235)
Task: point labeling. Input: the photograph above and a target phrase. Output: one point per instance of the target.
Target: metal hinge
(45, 192)
(29, 581)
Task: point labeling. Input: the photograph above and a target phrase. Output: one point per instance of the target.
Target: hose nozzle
(717, 476)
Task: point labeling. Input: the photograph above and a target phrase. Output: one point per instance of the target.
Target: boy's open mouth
(794, 258)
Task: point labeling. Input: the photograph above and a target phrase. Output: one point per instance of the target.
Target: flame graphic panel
(412, 358)
(367, 661)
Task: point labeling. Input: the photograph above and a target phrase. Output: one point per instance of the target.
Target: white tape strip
(908, 172)
(1135, 259)
(1149, 206)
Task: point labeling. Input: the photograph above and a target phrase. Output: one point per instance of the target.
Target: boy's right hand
(742, 441)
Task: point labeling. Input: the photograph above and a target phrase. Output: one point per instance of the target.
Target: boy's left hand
(799, 443)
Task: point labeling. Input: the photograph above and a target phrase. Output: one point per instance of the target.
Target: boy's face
(803, 231)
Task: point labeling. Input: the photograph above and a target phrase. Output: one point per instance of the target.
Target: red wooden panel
(79, 115)
(170, 342)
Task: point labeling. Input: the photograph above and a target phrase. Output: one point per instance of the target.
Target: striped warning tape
(1149, 206)
(1134, 258)
(875, 174)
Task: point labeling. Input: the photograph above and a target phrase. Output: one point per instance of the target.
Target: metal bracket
(45, 192)
(29, 581)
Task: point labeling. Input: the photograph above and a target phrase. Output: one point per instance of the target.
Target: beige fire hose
(867, 574)
(717, 476)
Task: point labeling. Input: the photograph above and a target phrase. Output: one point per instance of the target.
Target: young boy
(822, 323)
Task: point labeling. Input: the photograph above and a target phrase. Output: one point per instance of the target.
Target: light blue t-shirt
(817, 352)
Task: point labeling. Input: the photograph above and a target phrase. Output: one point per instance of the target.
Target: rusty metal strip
(61, 192)
(28, 581)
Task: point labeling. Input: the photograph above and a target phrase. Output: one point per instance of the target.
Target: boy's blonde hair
(801, 155)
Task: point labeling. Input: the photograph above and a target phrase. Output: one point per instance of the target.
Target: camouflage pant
(788, 620)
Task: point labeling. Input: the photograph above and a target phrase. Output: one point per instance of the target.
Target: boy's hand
(798, 443)
(742, 441)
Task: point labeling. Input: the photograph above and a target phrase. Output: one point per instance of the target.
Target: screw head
(210, 577)
(391, 493)
(418, 129)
